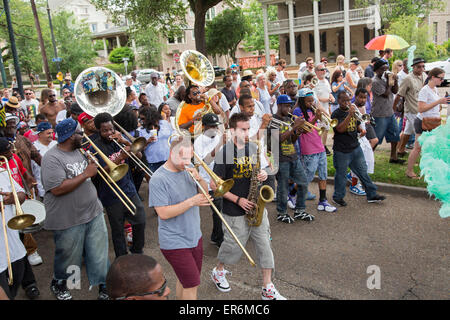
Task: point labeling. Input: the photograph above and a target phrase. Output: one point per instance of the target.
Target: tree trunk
(41, 41)
(199, 29)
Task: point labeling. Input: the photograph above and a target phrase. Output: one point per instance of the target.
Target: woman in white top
(429, 107)
(340, 60)
(264, 96)
(352, 77)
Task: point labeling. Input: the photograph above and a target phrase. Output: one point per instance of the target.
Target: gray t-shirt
(74, 208)
(168, 188)
(381, 106)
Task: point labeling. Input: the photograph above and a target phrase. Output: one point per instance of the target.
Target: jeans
(357, 163)
(291, 170)
(117, 214)
(217, 232)
(92, 238)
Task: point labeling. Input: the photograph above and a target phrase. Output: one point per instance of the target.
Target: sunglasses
(195, 93)
(320, 69)
(52, 95)
(159, 292)
(440, 78)
(28, 93)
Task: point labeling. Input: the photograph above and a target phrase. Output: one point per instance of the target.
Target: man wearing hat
(409, 90)
(352, 76)
(74, 212)
(206, 145)
(68, 84)
(382, 111)
(12, 106)
(52, 107)
(155, 90)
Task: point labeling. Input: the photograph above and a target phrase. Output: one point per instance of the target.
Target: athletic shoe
(340, 202)
(310, 196)
(291, 201)
(129, 238)
(285, 218)
(270, 293)
(220, 280)
(376, 198)
(60, 290)
(349, 177)
(35, 259)
(325, 206)
(358, 190)
(102, 293)
(410, 146)
(32, 291)
(301, 214)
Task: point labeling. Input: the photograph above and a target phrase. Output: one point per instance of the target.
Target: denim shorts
(387, 127)
(315, 162)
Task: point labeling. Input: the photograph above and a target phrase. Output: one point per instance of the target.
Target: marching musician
(237, 160)
(176, 199)
(73, 212)
(115, 209)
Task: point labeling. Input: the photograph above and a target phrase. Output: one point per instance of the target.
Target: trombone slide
(5, 234)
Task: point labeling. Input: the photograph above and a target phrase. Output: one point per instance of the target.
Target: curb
(393, 188)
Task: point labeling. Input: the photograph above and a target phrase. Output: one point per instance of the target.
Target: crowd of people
(261, 129)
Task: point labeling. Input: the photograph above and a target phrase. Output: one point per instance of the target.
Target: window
(367, 36)
(323, 42)
(311, 42)
(106, 26)
(435, 31)
(84, 10)
(211, 13)
(341, 5)
(193, 34)
(319, 7)
(448, 29)
(94, 27)
(176, 40)
(288, 48)
(298, 44)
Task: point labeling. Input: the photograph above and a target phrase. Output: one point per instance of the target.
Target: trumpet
(308, 127)
(325, 118)
(132, 155)
(315, 81)
(359, 116)
(21, 220)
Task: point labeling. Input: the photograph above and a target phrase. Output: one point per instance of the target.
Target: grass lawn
(387, 172)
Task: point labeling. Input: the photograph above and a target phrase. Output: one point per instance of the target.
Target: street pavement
(334, 257)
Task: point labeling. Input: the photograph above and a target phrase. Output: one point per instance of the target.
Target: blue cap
(65, 129)
(43, 126)
(304, 92)
(284, 98)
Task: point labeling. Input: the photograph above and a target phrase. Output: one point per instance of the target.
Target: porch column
(266, 35)
(290, 4)
(118, 41)
(105, 48)
(316, 31)
(377, 19)
(347, 44)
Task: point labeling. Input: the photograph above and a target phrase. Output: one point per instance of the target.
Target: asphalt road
(325, 259)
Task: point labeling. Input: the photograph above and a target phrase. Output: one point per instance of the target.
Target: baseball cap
(284, 98)
(210, 119)
(379, 64)
(84, 117)
(42, 126)
(304, 92)
(154, 75)
(65, 129)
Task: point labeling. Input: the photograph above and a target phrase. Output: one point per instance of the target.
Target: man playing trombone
(116, 210)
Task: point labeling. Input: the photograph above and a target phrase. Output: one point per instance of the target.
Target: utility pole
(13, 47)
(2, 66)
(57, 60)
(41, 41)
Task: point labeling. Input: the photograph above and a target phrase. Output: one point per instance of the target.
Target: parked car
(443, 65)
(219, 71)
(144, 75)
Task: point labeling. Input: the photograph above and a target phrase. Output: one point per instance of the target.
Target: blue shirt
(70, 87)
(335, 94)
(159, 150)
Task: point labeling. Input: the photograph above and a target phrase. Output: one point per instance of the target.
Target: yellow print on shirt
(287, 147)
(243, 167)
(352, 125)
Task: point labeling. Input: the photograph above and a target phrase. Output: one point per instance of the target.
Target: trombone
(5, 234)
(21, 220)
(105, 176)
(308, 127)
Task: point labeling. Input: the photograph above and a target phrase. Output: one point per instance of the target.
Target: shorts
(409, 126)
(418, 126)
(315, 162)
(387, 127)
(187, 264)
(370, 132)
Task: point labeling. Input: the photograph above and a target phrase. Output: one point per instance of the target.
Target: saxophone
(265, 194)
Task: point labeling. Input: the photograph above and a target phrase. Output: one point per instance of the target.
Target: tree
(149, 46)
(117, 55)
(225, 32)
(254, 40)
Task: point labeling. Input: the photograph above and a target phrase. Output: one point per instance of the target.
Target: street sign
(57, 59)
(59, 76)
(176, 57)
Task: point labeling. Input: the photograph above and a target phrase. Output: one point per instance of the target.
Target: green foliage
(254, 40)
(119, 67)
(226, 31)
(149, 45)
(118, 54)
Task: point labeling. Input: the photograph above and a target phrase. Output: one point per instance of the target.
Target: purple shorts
(187, 264)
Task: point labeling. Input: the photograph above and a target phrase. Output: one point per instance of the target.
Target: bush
(119, 67)
(118, 54)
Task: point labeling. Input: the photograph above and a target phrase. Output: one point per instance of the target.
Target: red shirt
(14, 172)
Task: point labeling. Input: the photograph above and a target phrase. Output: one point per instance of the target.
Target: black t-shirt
(238, 165)
(107, 197)
(287, 148)
(348, 141)
(229, 94)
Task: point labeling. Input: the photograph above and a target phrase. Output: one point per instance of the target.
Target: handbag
(430, 123)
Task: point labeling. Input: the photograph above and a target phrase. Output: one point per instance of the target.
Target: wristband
(237, 201)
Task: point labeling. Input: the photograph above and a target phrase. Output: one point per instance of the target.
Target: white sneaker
(220, 281)
(270, 293)
(291, 201)
(35, 259)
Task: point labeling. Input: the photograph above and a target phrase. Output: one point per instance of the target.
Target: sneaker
(291, 201)
(301, 214)
(340, 202)
(35, 259)
(270, 293)
(216, 243)
(410, 146)
(285, 218)
(60, 290)
(349, 177)
(358, 190)
(310, 196)
(325, 206)
(220, 280)
(32, 292)
(102, 293)
(129, 238)
(376, 198)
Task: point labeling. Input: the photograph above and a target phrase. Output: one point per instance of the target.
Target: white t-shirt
(280, 77)
(16, 248)
(155, 94)
(355, 78)
(36, 168)
(33, 103)
(401, 75)
(322, 91)
(203, 146)
(259, 109)
(43, 148)
(428, 95)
